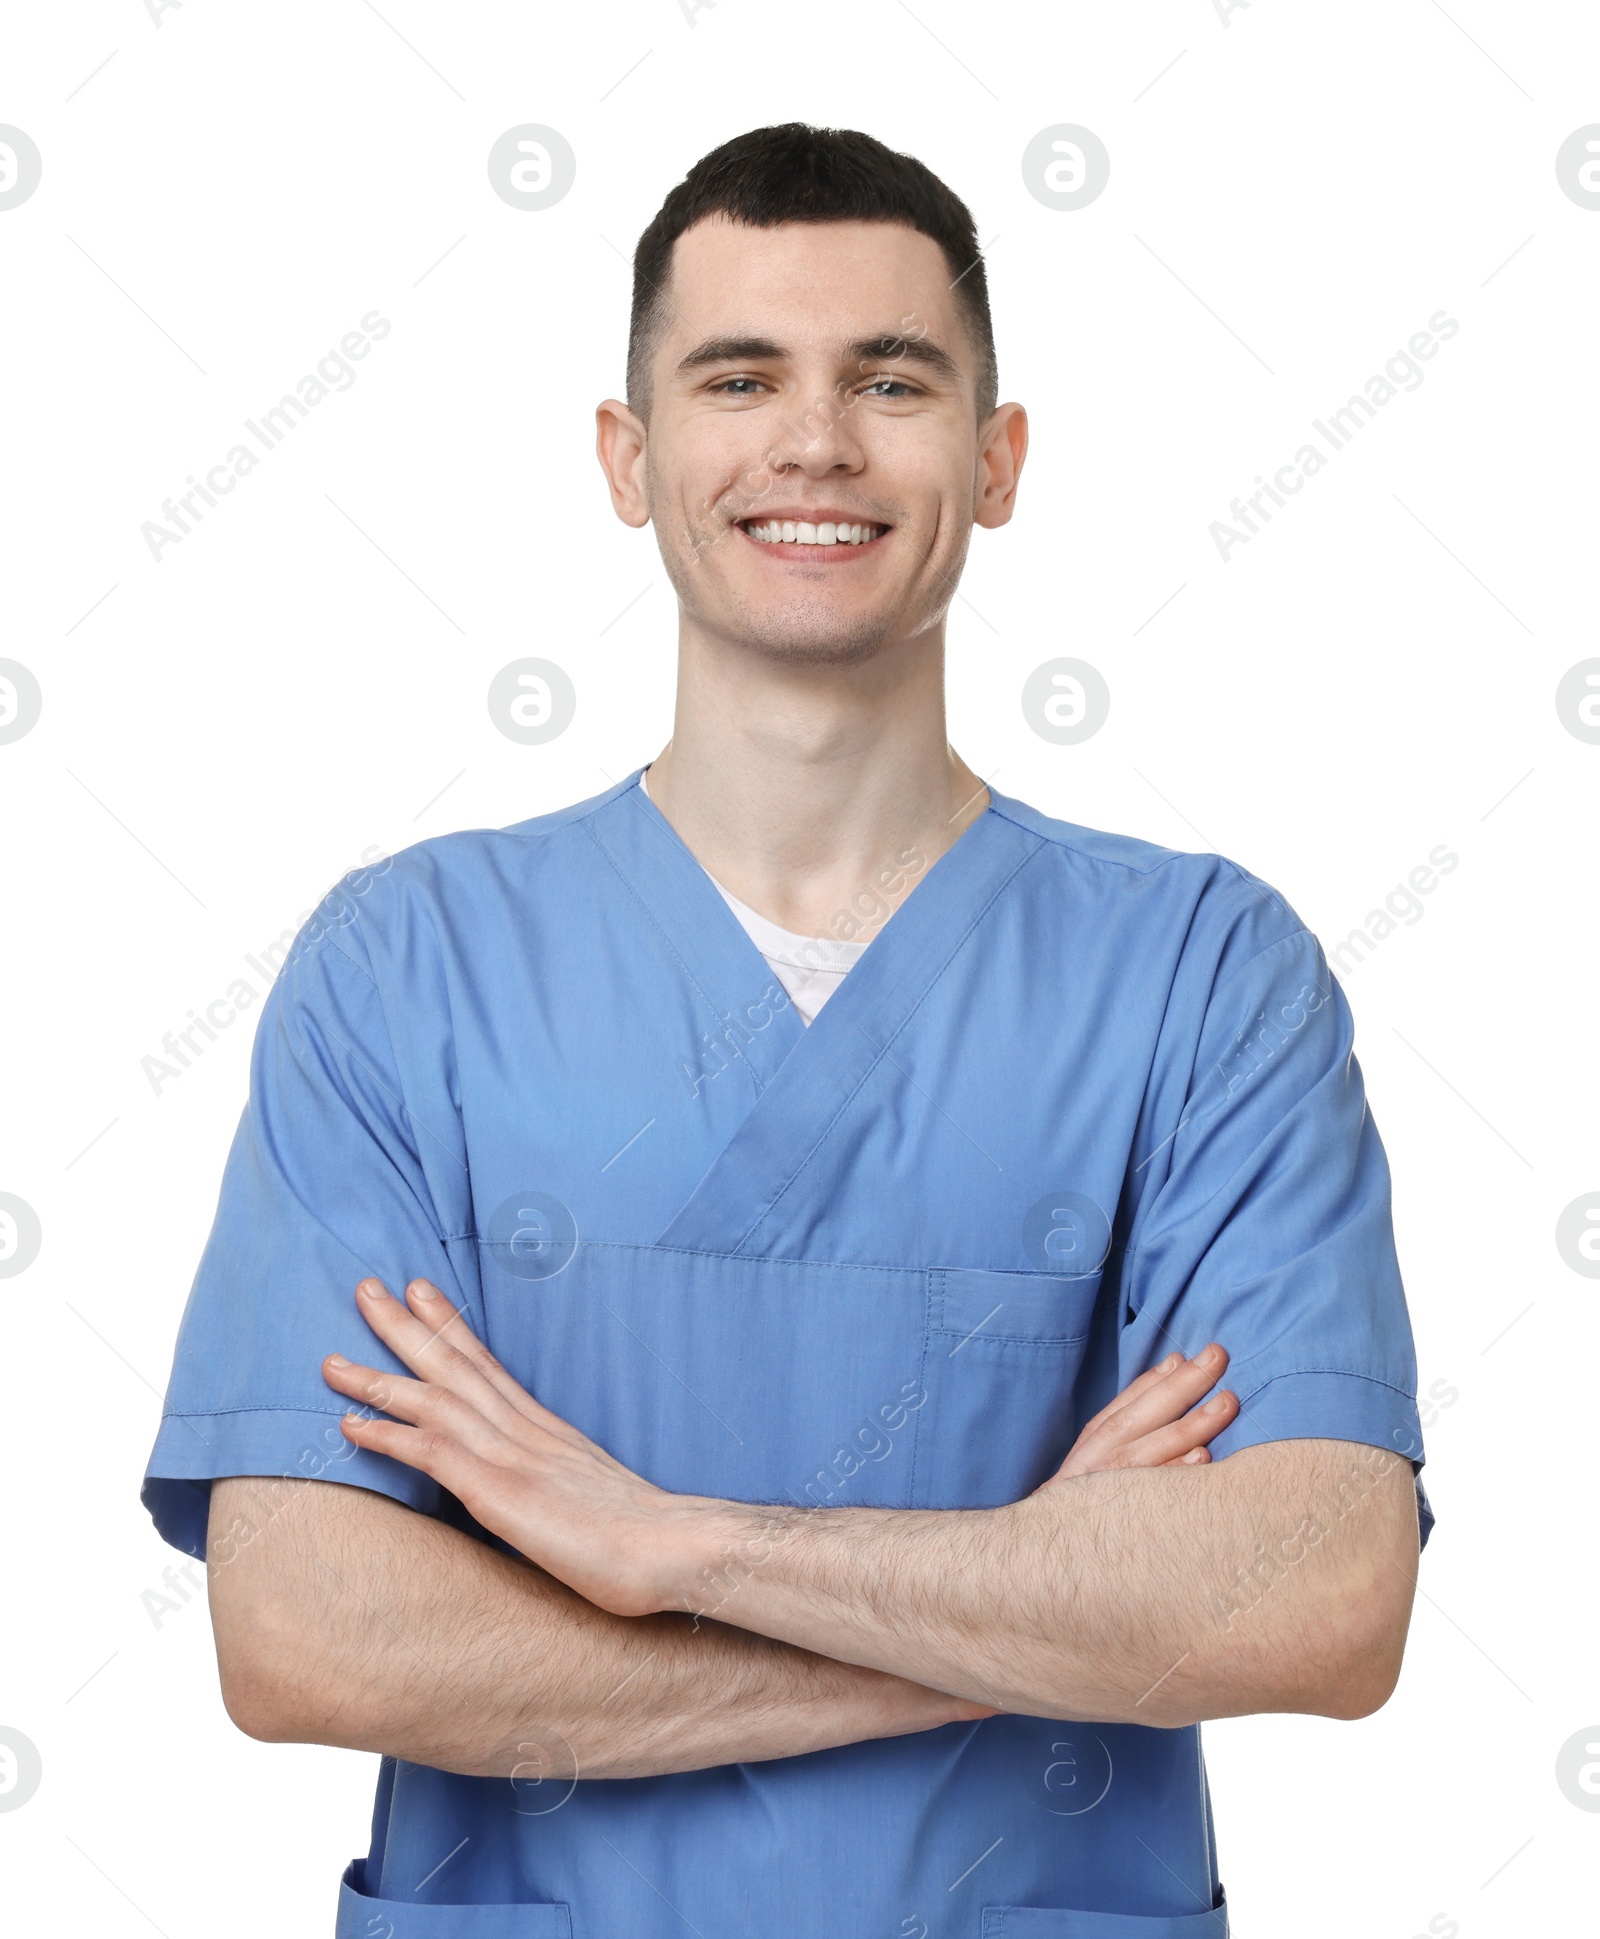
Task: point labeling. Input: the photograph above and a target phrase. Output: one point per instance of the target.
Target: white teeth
(801, 532)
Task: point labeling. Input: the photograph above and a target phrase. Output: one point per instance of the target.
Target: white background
(304, 676)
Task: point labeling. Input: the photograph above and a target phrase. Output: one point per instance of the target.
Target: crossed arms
(637, 1631)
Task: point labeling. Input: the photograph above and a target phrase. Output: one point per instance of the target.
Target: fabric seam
(880, 1051)
(1342, 1373)
(672, 948)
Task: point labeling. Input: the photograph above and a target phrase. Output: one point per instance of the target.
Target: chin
(798, 631)
(831, 646)
(801, 635)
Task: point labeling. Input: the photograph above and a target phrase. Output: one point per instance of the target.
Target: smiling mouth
(791, 535)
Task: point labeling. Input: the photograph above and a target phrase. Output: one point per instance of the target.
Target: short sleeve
(1266, 1224)
(324, 1185)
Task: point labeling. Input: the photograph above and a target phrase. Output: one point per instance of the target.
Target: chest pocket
(1001, 1358)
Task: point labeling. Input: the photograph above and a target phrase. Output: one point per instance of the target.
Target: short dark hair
(796, 173)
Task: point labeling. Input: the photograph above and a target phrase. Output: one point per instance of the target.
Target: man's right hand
(1155, 1422)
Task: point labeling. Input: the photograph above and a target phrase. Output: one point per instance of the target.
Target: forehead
(808, 283)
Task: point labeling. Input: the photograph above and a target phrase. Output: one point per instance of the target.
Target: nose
(816, 439)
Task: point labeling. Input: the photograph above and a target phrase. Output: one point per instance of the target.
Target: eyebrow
(886, 348)
(893, 349)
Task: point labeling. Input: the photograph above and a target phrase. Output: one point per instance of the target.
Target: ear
(1001, 450)
(620, 445)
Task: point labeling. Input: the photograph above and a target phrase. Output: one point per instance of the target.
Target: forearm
(1110, 1593)
(343, 1618)
(1125, 1596)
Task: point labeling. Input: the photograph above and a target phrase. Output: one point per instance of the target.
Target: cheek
(715, 470)
(924, 485)
(682, 489)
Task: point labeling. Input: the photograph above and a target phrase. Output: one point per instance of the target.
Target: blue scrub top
(1083, 1101)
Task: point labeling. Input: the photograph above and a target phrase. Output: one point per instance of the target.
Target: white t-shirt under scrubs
(810, 968)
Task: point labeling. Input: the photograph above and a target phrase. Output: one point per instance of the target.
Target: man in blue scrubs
(708, 1358)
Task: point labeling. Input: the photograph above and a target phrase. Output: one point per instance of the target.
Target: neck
(810, 791)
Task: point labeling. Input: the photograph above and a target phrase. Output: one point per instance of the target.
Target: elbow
(270, 1620)
(1366, 1643)
(1363, 1684)
(254, 1707)
(1366, 1609)
(259, 1699)
(1330, 1673)
(267, 1669)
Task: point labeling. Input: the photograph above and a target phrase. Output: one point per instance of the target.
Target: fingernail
(1217, 1406)
(369, 1289)
(1172, 1360)
(338, 1360)
(423, 1290)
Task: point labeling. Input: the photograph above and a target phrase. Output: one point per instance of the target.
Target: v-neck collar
(804, 1078)
(824, 954)
(727, 971)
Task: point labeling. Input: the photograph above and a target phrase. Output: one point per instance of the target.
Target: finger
(367, 1384)
(417, 1402)
(1145, 1381)
(1156, 1406)
(425, 1352)
(447, 1323)
(1182, 1438)
(1168, 1403)
(451, 1465)
(501, 1397)
(1168, 1399)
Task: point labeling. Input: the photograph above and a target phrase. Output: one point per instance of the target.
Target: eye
(890, 387)
(730, 386)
